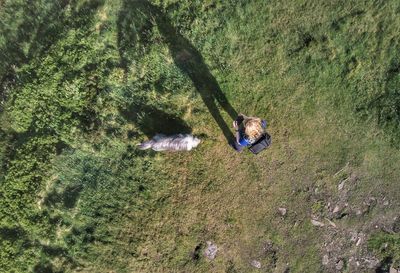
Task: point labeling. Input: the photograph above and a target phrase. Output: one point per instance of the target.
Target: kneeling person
(250, 132)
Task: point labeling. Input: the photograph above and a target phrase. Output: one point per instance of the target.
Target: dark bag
(262, 143)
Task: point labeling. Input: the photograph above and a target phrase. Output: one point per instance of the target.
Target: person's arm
(238, 121)
(237, 135)
(236, 125)
(243, 116)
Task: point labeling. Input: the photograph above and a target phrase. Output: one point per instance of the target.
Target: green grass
(82, 84)
(386, 246)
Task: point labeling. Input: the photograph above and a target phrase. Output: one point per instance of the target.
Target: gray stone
(371, 263)
(339, 265)
(317, 223)
(393, 270)
(282, 211)
(341, 185)
(336, 209)
(325, 259)
(359, 241)
(211, 250)
(354, 236)
(331, 223)
(352, 261)
(256, 264)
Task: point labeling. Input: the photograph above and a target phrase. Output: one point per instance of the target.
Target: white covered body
(180, 142)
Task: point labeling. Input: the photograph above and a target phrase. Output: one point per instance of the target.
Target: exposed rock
(353, 262)
(340, 211)
(393, 270)
(268, 247)
(353, 178)
(339, 265)
(357, 238)
(354, 236)
(371, 262)
(211, 250)
(282, 211)
(269, 255)
(317, 223)
(336, 209)
(359, 241)
(370, 203)
(325, 259)
(396, 225)
(341, 185)
(256, 264)
(331, 223)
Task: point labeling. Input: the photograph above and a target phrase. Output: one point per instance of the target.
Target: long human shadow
(190, 62)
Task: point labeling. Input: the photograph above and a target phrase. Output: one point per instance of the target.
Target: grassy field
(83, 82)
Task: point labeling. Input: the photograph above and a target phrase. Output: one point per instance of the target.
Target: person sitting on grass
(248, 131)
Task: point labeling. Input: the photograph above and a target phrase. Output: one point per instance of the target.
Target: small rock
(317, 223)
(331, 223)
(354, 178)
(211, 250)
(385, 245)
(371, 263)
(336, 209)
(368, 205)
(325, 259)
(393, 270)
(354, 236)
(282, 211)
(339, 265)
(396, 224)
(359, 241)
(341, 185)
(256, 264)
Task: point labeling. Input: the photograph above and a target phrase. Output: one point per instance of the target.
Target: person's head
(196, 141)
(192, 141)
(253, 127)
